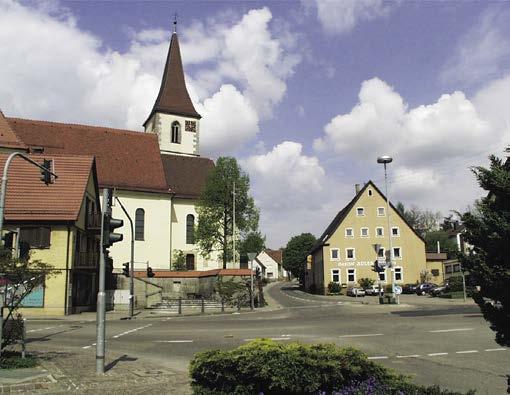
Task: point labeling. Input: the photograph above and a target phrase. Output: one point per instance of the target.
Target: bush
(13, 360)
(455, 284)
(366, 282)
(334, 288)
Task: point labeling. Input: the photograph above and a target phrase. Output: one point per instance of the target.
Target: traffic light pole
(131, 263)
(101, 294)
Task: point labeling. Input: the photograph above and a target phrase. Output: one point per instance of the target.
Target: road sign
(397, 289)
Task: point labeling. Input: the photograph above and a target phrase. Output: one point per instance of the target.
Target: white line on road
(379, 357)
(363, 335)
(85, 347)
(270, 338)
(409, 356)
(466, 352)
(130, 331)
(435, 354)
(44, 329)
(495, 349)
(451, 330)
(173, 341)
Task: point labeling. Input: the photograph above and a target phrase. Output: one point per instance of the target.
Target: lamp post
(385, 159)
(251, 257)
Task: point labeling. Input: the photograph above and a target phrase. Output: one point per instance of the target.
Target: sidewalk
(74, 370)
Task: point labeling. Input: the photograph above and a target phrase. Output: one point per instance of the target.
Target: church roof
(186, 175)
(125, 159)
(8, 139)
(173, 97)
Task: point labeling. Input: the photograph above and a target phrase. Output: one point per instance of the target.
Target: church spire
(173, 97)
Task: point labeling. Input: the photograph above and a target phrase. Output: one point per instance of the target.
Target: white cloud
(483, 52)
(341, 16)
(52, 70)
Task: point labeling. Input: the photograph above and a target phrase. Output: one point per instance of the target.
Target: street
(449, 344)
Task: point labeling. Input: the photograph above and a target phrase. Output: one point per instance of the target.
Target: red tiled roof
(186, 175)
(173, 96)
(29, 199)
(276, 255)
(8, 138)
(195, 273)
(125, 159)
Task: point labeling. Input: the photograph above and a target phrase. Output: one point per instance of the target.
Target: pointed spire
(173, 97)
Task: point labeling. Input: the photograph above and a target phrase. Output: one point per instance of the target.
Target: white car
(373, 290)
(354, 291)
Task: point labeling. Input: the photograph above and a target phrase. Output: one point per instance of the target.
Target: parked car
(374, 290)
(440, 289)
(354, 291)
(409, 288)
(425, 288)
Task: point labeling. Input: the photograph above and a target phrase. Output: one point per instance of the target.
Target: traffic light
(125, 269)
(45, 173)
(109, 225)
(150, 273)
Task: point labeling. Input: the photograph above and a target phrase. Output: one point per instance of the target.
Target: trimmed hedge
(268, 367)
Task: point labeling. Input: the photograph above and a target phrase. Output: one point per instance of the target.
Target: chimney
(357, 188)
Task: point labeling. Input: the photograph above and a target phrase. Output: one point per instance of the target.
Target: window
(360, 212)
(349, 233)
(364, 232)
(176, 132)
(397, 253)
(379, 232)
(190, 262)
(369, 192)
(457, 268)
(351, 275)
(335, 253)
(381, 252)
(382, 276)
(398, 276)
(335, 275)
(349, 253)
(435, 272)
(35, 237)
(381, 212)
(395, 231)
(448, 269)
(139, 224)
(190, 229)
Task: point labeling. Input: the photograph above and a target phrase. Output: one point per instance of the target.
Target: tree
(446, 244)
(252, 242)
(422, 221)
(215, 209)
(366, 282)
(488, 231)
(295, 253)
(179, 261)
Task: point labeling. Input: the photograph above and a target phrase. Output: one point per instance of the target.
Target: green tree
(488, 231)
(366, 282)
(422, 221)
(295, 253)
(215, 209)
(445, 243)
(179, 261)
(252, 242)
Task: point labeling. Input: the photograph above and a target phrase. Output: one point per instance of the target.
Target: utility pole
(131, 262)
(234, 224)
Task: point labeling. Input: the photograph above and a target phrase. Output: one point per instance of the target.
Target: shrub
(455, 283)
(13, 360)
(366, 282)
(334, 288)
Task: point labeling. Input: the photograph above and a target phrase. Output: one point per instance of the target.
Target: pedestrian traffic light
(125, 269)
(109, 225)
(45, 173)
(150, 273)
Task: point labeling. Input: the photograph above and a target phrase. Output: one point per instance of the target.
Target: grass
(13, 360)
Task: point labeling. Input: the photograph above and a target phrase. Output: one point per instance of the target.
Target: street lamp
(251, 257)
(385, 159)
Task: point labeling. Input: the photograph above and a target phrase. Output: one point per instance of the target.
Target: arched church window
(139, 224)
(176, 132)
(190, 229)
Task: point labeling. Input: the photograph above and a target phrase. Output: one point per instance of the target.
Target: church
(158, 175)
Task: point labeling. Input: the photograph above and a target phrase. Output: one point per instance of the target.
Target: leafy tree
(423, 221)
(445, 243)
(488, 231)
(252, 242)
(366, 282)
(294, 255)
(179, 261)
(215, 209)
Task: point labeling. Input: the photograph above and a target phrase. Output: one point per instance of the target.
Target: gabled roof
(275, 255)
(186, 175)
(29, 199)
(125, 159)
(9, 139)
(333, 226)
(173, 97)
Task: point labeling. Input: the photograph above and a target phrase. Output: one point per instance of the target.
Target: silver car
(373, 290)
(354, 291)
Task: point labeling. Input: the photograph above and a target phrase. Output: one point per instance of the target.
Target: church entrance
(190, 262)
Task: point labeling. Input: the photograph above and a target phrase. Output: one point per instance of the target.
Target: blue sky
(305, 94)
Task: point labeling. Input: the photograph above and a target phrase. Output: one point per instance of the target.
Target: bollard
(180, 305)
(24, 335)
(238, 306)
(1, 328)
(222, 305)
(203, 305)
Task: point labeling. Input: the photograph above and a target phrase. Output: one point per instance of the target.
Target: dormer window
(176, 132)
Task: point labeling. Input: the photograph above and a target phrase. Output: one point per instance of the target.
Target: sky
(305, 94)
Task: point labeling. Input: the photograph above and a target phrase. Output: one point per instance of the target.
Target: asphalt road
(446, 344)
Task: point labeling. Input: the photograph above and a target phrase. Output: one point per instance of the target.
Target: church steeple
(173, 117)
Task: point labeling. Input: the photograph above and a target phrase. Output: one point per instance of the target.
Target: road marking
(409, 356)
(466, 352)
(173, 341)
(363, 335)
(495, 349)
(379, 357)
(451, 330)
(44, 329)
(93, 344)
(130, 331)
(270, 338)
(435, 354)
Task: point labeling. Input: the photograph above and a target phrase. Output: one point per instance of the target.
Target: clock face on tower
(190, 126)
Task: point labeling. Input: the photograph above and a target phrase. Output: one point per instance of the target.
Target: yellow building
(351, 244)
(57, 224)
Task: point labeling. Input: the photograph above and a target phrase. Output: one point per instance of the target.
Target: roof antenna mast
(175, 22)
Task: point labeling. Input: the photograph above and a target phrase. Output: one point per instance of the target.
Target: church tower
(173, 117)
